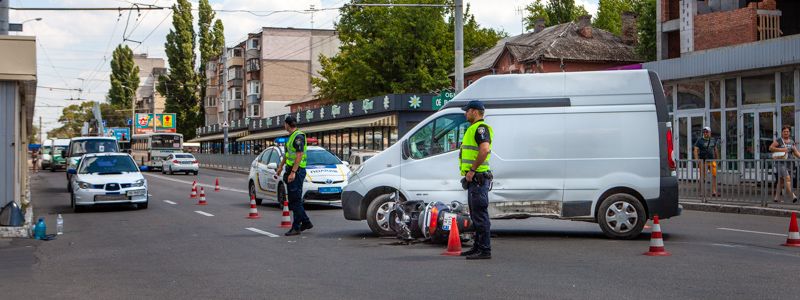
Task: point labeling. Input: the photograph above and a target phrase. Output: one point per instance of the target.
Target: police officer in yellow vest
(476, 150)
(295, 161)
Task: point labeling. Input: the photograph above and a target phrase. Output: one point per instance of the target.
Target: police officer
(474, 164)
(295, 174)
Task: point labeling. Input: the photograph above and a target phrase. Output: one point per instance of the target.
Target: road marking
(199, 184)
(170, 202)
(750, 231)
(203, 213)
(261, 232)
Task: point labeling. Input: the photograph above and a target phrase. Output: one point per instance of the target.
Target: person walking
(294, 175)
(476, 148)
(706, 149)
(782, 149)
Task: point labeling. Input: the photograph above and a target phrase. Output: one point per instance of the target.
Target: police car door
(263, 173)
(430, 169)
(272, 179)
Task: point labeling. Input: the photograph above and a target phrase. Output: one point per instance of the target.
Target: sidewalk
(784, 209)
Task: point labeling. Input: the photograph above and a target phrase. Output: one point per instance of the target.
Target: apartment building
(732, 65)
(148, 99)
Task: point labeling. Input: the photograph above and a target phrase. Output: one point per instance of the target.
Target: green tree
(579, 11)
(646, 26)
(73, 116)
(476, 38)
(536, 10)
(609, 12)
(209, 47)
(219, 38)
(124, 77)
(181, 85)
(561, 11)
(554, 12)
(396, 50)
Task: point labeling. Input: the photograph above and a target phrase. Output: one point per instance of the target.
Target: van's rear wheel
(621, 216)
(378, 215)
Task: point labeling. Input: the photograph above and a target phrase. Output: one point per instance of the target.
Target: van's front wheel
(378, 214)
(621, 216)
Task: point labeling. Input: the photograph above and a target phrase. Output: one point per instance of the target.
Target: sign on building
(163, 123)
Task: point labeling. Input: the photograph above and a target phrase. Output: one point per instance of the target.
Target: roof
(558, 42)
(81, 138)
(106, 154)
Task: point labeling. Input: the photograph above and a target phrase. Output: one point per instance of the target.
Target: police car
(326, 176)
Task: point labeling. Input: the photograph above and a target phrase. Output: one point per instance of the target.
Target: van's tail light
(670, 149)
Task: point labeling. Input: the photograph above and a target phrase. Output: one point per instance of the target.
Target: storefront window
(787, 116)
(668, 96)
(393, 136)
(787, 87)
(730, 92)
(732, 140)
(758, 89)
(716, 125)
(691, 95)
(714, 93)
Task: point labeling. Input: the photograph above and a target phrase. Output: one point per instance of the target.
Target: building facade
(733, 66)
(148, 99)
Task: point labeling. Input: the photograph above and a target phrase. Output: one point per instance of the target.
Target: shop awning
(219, 136)
(387, 121)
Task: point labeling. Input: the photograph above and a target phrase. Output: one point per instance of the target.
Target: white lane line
(261, 232)
(170, 202)
(203, 213)
(199, 184)
(750, 231)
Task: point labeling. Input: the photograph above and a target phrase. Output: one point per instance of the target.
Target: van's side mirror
(406, 150)
(72, 171)
(144, 168)
(272, 166)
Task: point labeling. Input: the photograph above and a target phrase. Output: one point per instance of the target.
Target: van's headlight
(138, 183)
(84, 185)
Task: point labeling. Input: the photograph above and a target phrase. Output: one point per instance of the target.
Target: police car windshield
(116, 164)
(321, 157)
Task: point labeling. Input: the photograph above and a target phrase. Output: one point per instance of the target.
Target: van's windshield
(81, 147)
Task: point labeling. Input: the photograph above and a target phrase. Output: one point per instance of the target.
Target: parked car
(45, 158)
(57, 153)
(180, 162)
(588, 146)
(107, 178)
(358, 157)
(79, 146)
(326, 175)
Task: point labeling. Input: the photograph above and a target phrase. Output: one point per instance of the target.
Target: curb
(737, 209)
(225, 169)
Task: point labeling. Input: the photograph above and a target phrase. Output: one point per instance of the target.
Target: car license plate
(112, 197)
(136, 193)
(330, 190)
(186, 162)
(448, 220)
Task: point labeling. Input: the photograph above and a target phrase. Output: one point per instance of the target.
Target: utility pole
(225, 100)
(41, 141)
(4, 17)
(459, 34)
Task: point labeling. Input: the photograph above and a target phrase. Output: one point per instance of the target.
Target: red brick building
(569, 47)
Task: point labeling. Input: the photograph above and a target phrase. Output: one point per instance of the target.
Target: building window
(235, 94)
(730, 92)
(732, 139)
(254, 110)
(758, 89)
(714, 93)
(234, 73)
(252, 65)
(787, 87)
(235, 52)
(253, 87)
(252, 44)
(691, 95)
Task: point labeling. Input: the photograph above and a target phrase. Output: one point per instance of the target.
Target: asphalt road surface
(178, 250)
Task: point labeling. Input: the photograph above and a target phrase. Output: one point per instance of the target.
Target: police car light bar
(281, 140)
(312, 141)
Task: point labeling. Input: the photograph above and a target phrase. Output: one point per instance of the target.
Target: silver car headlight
(84, 185)
(138, 183)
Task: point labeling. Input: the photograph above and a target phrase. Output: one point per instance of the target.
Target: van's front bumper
(666, 205)
(351, 205)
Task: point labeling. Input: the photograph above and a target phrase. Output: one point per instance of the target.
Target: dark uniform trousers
(478, 199)
(294, 191)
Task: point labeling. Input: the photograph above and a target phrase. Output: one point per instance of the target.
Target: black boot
(306, 226)
(470, 252)
(292, 232)
(480, 255)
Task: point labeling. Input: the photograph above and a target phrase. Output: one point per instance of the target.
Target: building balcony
(235, 61)
(236, 82)
(235, 104)
(769, 24)
(254, 99)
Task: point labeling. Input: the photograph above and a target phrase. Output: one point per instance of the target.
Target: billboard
(122, 134)
(163, 123)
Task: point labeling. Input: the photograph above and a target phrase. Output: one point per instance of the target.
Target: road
(178, 250)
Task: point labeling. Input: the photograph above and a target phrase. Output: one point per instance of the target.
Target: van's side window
(440, 136)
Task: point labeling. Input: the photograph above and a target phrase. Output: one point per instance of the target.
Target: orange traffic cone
(656, 241)
(216, 185)
(286, 219)
(454, 242)
(202, 197)
(194, 190)
(794, 236)
(253, 211)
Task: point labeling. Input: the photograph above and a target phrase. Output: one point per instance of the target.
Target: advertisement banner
(164, 123)
(122, 134)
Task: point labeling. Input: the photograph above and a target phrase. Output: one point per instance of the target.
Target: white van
(588, 146)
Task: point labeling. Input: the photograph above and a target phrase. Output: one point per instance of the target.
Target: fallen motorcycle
(416, 220)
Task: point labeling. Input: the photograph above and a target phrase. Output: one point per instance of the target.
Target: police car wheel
(621, 216)
(379, 215)
(281, 195)
(252, 192)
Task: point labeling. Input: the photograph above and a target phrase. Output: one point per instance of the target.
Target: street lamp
(18, 26)
(28, 20)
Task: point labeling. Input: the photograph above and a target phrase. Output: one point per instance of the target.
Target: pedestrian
(782, 149)
(295, 173)
(474, 157)
(705, 149)
(34, 159)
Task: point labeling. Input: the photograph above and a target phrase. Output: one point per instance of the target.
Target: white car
(326, 175)
(107, 178)
(357, 158)
(180, 162)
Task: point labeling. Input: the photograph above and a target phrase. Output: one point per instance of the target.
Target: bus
(150, 149)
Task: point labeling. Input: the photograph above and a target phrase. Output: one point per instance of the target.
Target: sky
(74, 47)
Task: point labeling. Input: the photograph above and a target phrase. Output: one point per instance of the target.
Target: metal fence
(747, 181)
(233, 162)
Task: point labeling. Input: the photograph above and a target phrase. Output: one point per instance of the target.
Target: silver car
(180, 162)
(108, 178)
